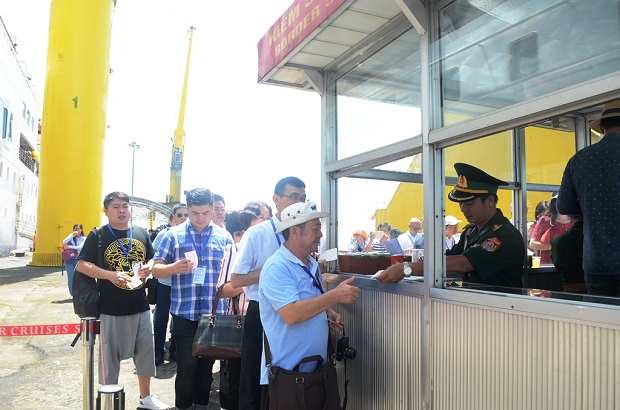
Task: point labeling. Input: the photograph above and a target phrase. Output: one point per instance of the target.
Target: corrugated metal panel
(385, 330)
(486, 359)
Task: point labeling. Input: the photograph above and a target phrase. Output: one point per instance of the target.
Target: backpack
(85, 290)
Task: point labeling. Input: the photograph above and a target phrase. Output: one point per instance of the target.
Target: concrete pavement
(45, 372)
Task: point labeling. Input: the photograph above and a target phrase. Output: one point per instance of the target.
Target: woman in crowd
(360, 242)
(547, 228)
(74, 241)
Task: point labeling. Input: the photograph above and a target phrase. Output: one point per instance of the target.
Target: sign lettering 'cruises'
(299, 20)
(40, 330)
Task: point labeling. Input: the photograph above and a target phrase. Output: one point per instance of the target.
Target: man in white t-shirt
(411, 238)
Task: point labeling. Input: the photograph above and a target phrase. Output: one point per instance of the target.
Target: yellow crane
(176, 162)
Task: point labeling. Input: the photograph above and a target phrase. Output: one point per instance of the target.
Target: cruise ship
(20, 130)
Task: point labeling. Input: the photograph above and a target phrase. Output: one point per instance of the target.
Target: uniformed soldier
(491, 250)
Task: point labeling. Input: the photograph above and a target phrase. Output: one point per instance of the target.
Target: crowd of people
(266, 261)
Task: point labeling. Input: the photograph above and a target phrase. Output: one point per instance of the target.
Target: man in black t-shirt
(126, 327)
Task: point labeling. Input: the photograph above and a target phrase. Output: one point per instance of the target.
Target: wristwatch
(407, 269)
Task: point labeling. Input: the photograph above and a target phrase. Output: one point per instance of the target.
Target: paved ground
(45, 372)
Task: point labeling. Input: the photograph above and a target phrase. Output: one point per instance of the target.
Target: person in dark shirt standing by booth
(491, 250)
(591, 187)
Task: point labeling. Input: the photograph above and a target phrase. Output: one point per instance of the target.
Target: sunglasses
(179, 215)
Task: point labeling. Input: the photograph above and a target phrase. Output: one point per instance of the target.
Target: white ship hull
(20, 113)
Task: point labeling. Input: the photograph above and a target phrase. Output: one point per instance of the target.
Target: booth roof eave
(304, 41)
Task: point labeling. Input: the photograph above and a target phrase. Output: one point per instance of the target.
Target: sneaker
(151, 403)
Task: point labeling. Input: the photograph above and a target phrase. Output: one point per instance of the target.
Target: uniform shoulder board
(496, 227)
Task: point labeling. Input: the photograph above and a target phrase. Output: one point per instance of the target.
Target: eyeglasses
(296, 197)
(180, 215)
(218, 209)
(238, 233)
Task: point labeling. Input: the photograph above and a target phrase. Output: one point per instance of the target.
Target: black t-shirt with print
(120, 300)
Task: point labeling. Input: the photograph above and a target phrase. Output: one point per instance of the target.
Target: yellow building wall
(547, 152)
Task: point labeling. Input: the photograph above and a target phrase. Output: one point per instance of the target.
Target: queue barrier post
(89, 327)
(111, 397)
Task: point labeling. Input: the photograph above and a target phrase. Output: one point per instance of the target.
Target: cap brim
(459, 196)
(300, 219)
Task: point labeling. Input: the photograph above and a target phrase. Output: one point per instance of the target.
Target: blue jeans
(194, 376)
(160, 320)
(603, 285)
(70, 267)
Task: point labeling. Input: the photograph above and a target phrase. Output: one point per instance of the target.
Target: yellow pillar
(74, 123)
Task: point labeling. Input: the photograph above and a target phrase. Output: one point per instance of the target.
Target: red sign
(40, 330)
(297, 22)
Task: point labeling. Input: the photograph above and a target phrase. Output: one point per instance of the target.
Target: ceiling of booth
(355, 22)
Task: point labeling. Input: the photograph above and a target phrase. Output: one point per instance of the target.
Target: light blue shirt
(257, 245)
(283, 280)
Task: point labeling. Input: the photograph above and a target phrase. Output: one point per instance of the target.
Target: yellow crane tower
(176, 163)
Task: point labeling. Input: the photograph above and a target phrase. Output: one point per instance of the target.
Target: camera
(343, 350)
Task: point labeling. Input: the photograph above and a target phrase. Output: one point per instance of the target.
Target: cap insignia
(462, 181)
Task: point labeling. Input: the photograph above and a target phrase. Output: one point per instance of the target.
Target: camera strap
(346, 381)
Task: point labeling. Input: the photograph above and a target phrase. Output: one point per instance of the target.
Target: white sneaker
(151, 403)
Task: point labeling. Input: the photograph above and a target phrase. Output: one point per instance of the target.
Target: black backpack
(85, 289)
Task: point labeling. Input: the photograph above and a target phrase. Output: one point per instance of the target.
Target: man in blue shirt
(294, 309)
(590, 188)
(191, 253)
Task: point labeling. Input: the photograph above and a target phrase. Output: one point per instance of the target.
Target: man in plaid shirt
(191, 253)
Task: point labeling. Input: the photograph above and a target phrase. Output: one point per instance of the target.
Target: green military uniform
(497, 251)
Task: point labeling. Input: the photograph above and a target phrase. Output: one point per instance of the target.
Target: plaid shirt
(187, 299)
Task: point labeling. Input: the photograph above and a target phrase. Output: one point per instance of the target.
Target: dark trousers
(251, 351)
(160, 319)
(194, 376)
(230, 371)
(603, 285)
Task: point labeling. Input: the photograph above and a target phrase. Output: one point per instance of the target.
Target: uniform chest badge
(491, 244)
(496, 227)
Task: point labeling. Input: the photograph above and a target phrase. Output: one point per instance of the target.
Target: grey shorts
(125, 337)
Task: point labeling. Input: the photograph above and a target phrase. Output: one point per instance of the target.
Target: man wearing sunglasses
(258, 244)
(162, 307)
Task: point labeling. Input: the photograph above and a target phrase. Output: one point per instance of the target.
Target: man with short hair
(410, 239)
(452, 227)
(258, 243)
(590, 188)
(295, 310)
(191, 253)
(219, 211)
(491, 250)
(162, 306)
(126, 328)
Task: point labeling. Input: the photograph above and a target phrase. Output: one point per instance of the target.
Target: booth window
(493, 54)
(379, 99)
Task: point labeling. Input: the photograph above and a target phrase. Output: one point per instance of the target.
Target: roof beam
(415, 12)
(315, 78)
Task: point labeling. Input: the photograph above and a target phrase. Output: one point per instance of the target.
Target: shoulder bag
(295, 390)
(85, 290)
(218, 337)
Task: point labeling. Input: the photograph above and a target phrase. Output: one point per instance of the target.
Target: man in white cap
(452, 227)
(590, 187)
(294, 309)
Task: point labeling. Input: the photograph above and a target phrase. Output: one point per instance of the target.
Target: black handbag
(84, 288)
(151, 290)
(218, 337)
(295, 390)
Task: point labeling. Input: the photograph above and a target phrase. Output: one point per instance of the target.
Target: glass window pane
(378, 100)
(492, 54)
(547, 150)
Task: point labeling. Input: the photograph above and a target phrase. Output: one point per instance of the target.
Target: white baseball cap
(450, 220)
(299, 213)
